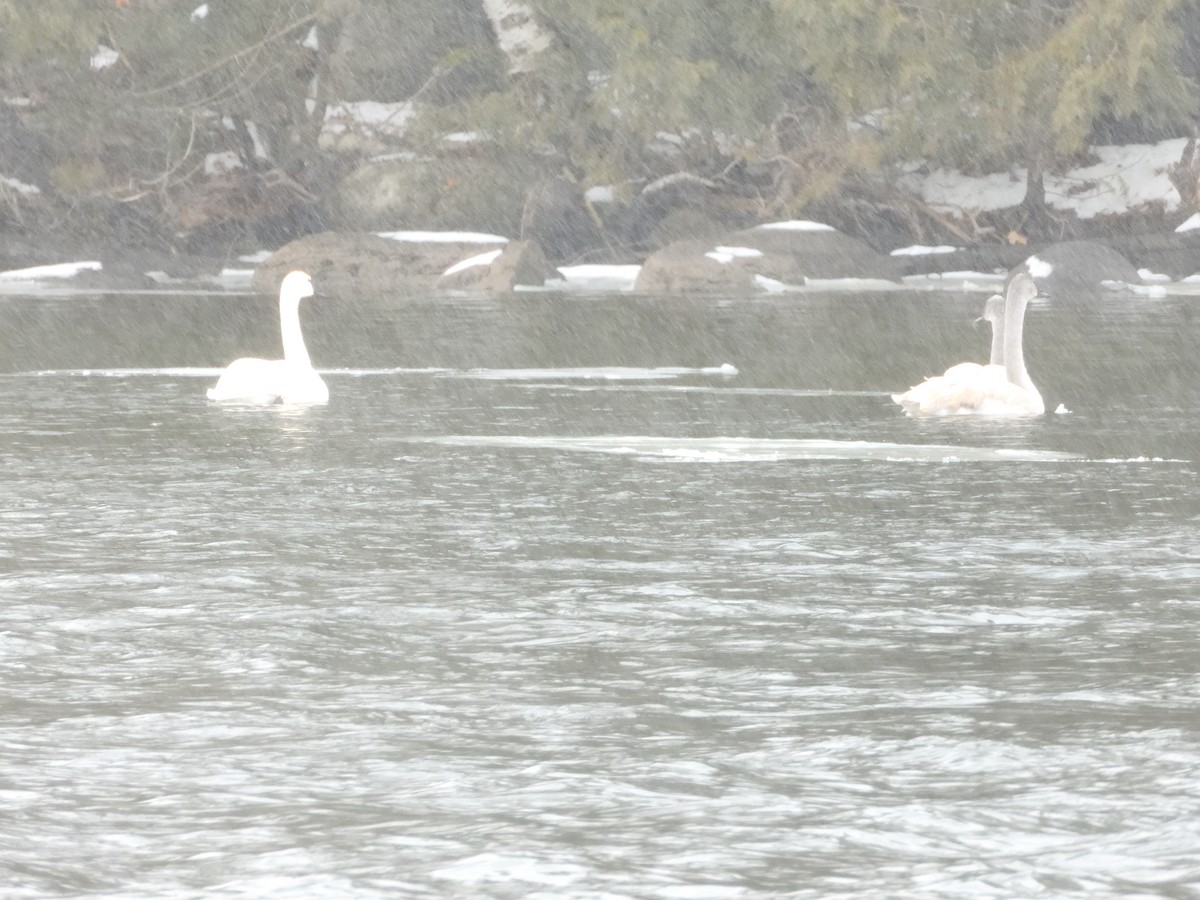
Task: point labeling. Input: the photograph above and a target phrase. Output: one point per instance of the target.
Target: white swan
(939, 391)
(291, 379)
(993, 314)
(992, 390)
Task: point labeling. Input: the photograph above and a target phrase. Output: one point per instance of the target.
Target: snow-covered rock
(1076, 269)
(767, 258)
(353, 262)
(556, 216)
(518, 263)
(687, 267)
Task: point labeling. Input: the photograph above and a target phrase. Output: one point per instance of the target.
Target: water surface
(546, 602)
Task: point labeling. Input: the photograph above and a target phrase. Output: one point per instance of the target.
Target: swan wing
(963, 372)
(250, 381)
(982, 391)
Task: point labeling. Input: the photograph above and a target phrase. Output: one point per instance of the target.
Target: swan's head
(993, 310)
(1022, 288)
(296, 285)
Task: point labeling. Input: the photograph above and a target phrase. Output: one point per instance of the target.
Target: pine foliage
(834, 89)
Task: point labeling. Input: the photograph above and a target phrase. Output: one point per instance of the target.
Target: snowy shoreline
(90, 277)
(1126, 186)
(1118, 181)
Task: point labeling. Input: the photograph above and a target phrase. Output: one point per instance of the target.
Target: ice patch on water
(734, 449)
(923, 250)
(954, 281)
(54, 270)
(594, 373)
(444, 237)
(170, 371)
(596, 277)
(851, 284)
(771, 285)
(599, 373)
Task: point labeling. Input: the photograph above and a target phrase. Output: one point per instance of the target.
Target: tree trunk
(1038, 219)
(518, 33)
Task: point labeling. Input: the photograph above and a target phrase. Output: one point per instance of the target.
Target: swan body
(1003, 386)
(291, 379)
(993, 314)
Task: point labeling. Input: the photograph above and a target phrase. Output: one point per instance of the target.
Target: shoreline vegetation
(179, 138)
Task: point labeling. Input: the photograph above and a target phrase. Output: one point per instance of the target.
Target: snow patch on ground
(601, 194)
(220, 163)
(366, 117)
(103, 58)
(1124, 178)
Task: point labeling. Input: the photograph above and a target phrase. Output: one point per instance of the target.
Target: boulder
(453, 191)
(557, 218)
(24, 155)
(678, 207)
(499, 271)
(1078, 268)
(341, 262)
(787, 252)
(1171, 253)
(814, 251)
(687, 225)
(685, 267)
(972, 258)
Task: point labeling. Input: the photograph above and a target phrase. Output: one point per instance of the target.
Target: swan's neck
(1013, 336)
(294, 351)
(997, 358)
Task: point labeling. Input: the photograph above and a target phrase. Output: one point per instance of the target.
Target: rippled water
(546, 603)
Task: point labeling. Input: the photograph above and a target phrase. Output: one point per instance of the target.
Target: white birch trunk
(518, 33)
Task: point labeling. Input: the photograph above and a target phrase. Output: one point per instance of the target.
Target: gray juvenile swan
(291, 379)
(1001, 388)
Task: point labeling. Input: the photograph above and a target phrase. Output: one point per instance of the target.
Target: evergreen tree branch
(232, 57)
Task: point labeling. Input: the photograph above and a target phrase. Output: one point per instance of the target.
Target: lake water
(547, 603)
